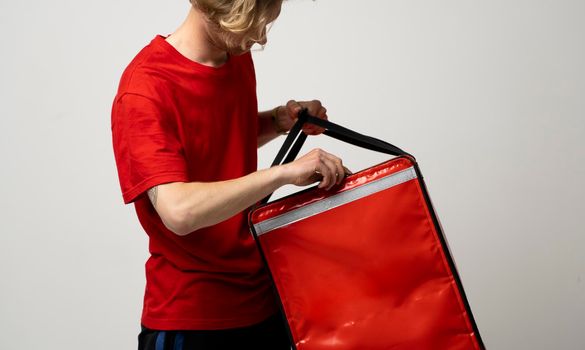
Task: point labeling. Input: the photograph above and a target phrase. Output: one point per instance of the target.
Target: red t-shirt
(176, 120)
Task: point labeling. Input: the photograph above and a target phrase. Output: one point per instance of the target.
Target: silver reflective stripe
(335, 201)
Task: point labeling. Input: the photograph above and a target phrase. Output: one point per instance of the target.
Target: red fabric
(176, 120)
(368, 274)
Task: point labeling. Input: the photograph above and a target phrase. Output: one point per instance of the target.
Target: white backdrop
(489, 96)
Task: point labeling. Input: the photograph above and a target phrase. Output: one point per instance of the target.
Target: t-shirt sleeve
(146, 144)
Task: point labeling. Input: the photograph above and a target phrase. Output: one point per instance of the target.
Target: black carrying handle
(336, 131)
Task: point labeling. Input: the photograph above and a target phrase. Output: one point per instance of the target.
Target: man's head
(236, 25)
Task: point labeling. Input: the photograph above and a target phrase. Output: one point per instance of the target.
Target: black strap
(292, 135)
(336, 131)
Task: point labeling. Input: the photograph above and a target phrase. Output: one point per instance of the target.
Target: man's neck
(191, 39)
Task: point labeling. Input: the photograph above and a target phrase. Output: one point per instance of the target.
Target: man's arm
(187, 207)
(268, 126)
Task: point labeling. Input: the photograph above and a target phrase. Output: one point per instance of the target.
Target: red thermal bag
(365, 265)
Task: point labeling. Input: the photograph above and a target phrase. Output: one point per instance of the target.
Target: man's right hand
(317, 165)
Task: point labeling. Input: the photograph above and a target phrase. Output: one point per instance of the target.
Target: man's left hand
(288, 115)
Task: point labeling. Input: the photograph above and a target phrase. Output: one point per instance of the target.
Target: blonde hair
(245, 19)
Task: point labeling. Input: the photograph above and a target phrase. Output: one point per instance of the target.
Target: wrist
(280, 175)
(275, 116)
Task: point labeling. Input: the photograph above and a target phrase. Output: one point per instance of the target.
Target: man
(186, 129)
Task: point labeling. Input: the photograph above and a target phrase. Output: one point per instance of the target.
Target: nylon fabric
(372, 273)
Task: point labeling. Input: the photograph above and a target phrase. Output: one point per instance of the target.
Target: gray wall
(488, 95)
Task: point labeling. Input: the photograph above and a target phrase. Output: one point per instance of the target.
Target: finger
(309, 129)
(332, 174)
(325, 171)
(322, 113)
(314, 107)
(315, 177)
(347, 171)
(339, 168)
(294, 108)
